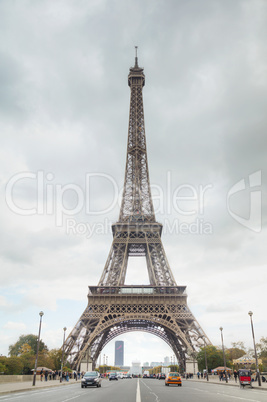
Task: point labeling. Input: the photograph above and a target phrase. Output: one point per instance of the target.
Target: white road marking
(237, 397)
(227, 395)
(138, 395)
(153, 393)
(74, 397)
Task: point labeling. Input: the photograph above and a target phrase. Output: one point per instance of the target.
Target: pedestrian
(235, 375)
(42, 374)
(198, 374)
(46, 375)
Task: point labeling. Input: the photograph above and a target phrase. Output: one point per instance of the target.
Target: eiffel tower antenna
(114, 308)
(136, 58)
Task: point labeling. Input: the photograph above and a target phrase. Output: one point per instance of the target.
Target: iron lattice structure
(114, 308)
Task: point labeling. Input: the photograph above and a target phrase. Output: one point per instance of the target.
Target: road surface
(140, 390)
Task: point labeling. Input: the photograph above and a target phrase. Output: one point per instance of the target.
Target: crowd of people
(56, 375)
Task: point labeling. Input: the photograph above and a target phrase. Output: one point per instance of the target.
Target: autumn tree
(234, 353)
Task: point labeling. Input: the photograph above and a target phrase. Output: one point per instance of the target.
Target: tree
(28, 360)
(234, 353)
(239, 345)
(214, 358)
(25, 349)
(3, 368)
(55, 355)
(13, 365)
(31, 341)
(45, 360)
(174, 367)
(262, 347)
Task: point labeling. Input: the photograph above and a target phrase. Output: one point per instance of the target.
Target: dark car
(161, 376)
(113, 377)
(91, 378)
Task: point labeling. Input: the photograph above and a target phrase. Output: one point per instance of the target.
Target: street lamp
(226, 377)
(77, 365)
(38, 342)
(62, 357)
(256, 357)
(206, 362)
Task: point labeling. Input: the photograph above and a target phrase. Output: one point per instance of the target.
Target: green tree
(45, 360)
(214, 358)
(55, 355)
(3, 368)
(174, 368)
(31, 341)
(13, 365)
(234, 353)
(262, 347)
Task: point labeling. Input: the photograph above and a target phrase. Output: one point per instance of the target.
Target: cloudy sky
(64, 106)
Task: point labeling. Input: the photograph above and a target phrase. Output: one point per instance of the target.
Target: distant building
(155, 364)
(119, 353)
(166, 361)
(136, 368)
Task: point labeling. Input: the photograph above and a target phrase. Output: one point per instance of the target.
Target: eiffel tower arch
(114, 308)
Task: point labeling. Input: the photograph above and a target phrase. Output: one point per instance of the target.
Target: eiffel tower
(114, 308)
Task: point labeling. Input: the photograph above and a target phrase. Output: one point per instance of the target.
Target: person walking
(42, 374)
(235, 375)
(46, 375)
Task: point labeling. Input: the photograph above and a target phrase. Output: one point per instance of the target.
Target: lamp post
(206, 362)
(226, 377)
(62, 357)
(38, 342)
(256, 357)
(77, 365)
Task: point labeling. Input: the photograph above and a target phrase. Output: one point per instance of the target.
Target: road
(140, 390)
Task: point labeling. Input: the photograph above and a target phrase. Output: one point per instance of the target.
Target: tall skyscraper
(119, 353)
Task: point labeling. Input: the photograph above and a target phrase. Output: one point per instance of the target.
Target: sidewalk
(6, 388)
(215, 380)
